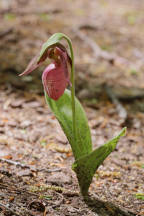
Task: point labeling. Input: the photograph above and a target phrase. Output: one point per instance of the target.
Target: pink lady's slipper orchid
(55, 77)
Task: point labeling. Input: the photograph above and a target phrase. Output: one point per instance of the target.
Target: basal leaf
(81, 144)
(86, 166)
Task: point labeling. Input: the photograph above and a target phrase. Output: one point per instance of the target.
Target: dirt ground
(35, 156)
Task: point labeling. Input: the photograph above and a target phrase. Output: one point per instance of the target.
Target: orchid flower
(55, 77)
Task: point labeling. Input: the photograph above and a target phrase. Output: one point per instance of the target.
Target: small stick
(8, 209)
(98, 52)
(6, 32)
(113, 58)
(28, 167)
(29, 12)
(120, 109)
(14, 163)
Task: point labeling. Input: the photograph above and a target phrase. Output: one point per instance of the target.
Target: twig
(14, 163)
(98, 52)
(6, 32)
(8, 209)
(22, 12)
(44, 214)
(29, 167)
(129, 93)
(49, 170)
(88, 26)
(113, 58)
(128, 98)
(120, 109)
(21, 190)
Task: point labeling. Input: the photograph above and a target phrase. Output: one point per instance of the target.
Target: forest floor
(35, 156)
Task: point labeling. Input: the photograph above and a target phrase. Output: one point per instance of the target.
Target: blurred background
(108, 42)
(107, 38)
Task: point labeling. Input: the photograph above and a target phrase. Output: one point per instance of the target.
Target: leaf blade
(86, 166)
(81, 144)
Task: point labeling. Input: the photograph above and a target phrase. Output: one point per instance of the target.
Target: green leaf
(86, 166)
(81, 144)
(55, 38)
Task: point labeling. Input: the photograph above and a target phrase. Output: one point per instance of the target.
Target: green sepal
(54, 39)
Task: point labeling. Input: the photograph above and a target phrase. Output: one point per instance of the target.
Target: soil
(35, 156)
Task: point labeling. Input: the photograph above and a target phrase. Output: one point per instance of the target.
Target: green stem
(72, 87)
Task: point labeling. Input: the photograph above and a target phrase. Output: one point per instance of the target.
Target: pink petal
(54, 80)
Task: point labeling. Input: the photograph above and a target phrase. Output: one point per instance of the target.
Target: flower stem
(72, 87)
